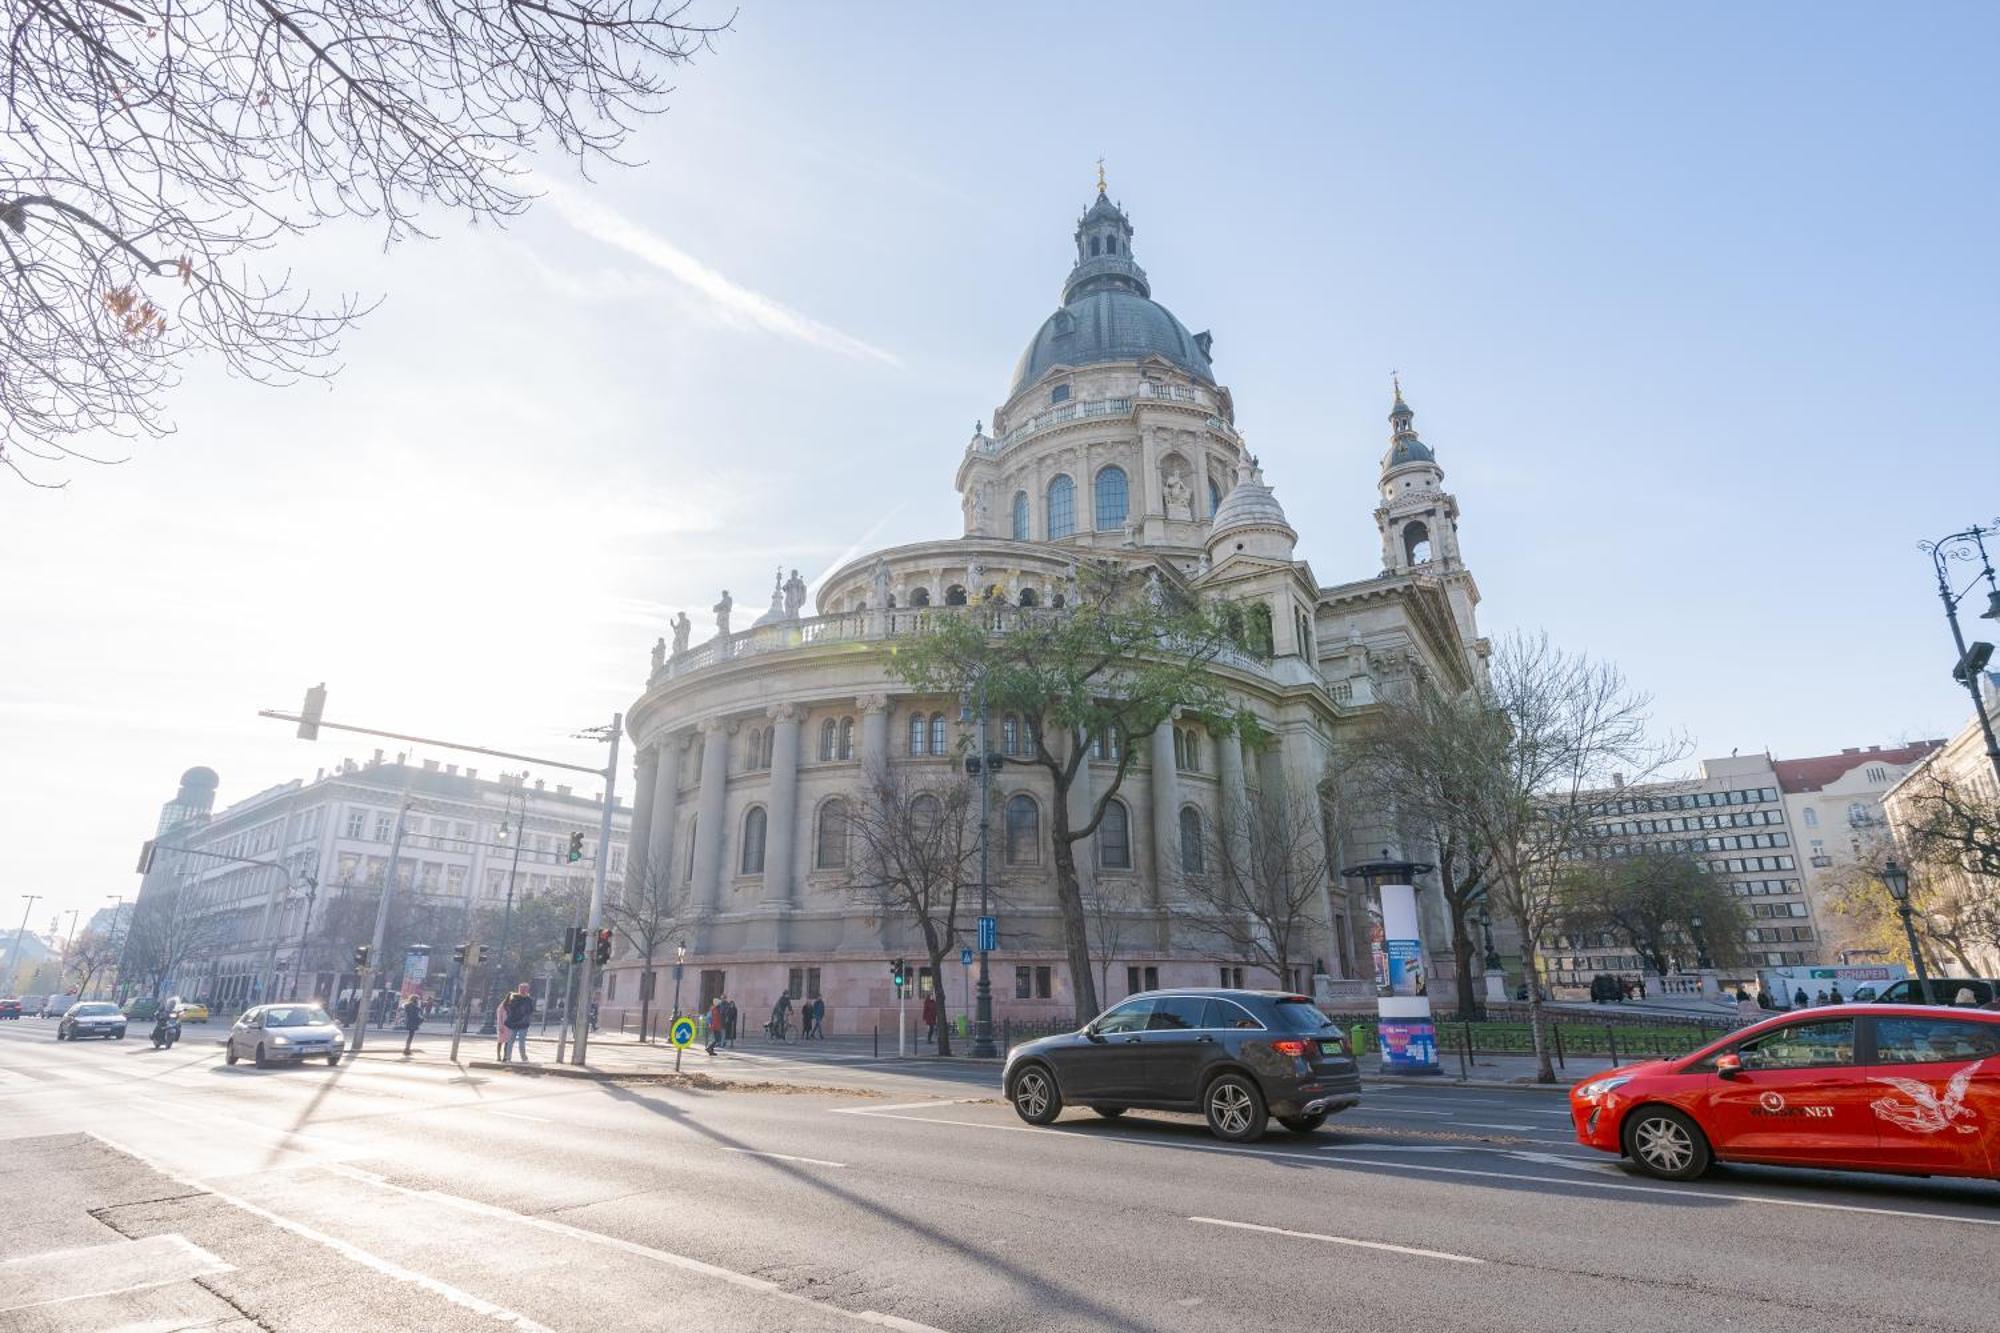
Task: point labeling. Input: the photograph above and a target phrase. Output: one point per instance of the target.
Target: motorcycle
(166, 1031)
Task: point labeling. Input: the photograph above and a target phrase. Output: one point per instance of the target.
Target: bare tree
(1108, 916)
(1949, 832)
(649, 915)
(151, 152)
(916, 846)
(92, 954)
(1519, 765)
(1261, 881)
(171, 929)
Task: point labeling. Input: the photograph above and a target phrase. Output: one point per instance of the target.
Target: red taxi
(1860, 1087)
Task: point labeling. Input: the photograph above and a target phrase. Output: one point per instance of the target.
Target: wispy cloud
(732, 300)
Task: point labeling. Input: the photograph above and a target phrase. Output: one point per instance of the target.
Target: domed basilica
(1115, 442)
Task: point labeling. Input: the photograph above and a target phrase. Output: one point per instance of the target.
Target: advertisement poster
(1375, 950)
(416, 967)
(1406, 967)
(1407, 1046)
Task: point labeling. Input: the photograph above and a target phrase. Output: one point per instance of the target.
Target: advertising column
(1409, 1039)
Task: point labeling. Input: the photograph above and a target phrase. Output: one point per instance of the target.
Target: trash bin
(1357, 1037)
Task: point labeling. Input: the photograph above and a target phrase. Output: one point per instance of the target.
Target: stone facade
(1115, 443)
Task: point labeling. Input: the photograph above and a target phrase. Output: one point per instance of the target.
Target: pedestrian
(520, 1013)
(731, 1017)
(1799, 1000)
(1819, 997)
(413, 1018)
(819, 1017)
(717, 1023)
(930, 1018)
(500, 1026)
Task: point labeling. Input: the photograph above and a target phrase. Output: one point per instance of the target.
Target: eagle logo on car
(1926, 1112)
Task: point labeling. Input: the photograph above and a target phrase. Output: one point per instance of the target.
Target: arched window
(1104, 745)
(753, 841)
(1094, 243)
(753, 747)
(1193, 750)
(1417, 544)
(829, 735)
(954, 595)
(917, 733)
(830, 841)
(1114, 838)
(847, 738)
(1010, 734)
(1812, 817)
(937, 733)
(1029, 597)
(1214, 497)
(694, 826)
(1111, 245)
(1024, 831)
(1191, 852)
(1062, 507)
(1020, 516)
(764, 755)
(1180, 748)
(920, 597)
(1056, 601)
(1113, 498)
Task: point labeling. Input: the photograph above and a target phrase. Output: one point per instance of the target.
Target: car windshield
(1301, 1015)
(294, 1015)
(87, 1009)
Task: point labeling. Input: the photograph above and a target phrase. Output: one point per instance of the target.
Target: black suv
(1236, 1056)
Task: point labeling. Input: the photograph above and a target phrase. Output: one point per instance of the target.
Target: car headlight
(1597, 1087)
(281, 1041)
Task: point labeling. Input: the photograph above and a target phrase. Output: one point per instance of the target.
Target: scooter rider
(166, 1026)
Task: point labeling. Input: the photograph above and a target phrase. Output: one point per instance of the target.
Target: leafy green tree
(1098, 674)
(1650, 903)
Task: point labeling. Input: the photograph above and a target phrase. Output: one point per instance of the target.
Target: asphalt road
(162, 1190)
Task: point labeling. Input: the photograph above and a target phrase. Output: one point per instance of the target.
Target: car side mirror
(1729, 1066)
(1090, 1031)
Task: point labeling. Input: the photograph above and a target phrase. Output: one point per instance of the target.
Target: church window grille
(1113, 498)
(1010, 734)
(1095, 242)
(937, 733)
(1192, 860)
(1059, 394)
(1214, 497)
(847, 738)
(754, 822)
(1062, 508)
(829, 736)
(918, 730)
(954, 595)
(1114, 838)
(1024, 831)
(830, 845)
(1020, 516)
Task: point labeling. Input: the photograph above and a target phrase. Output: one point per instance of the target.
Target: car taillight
(1291, 1046)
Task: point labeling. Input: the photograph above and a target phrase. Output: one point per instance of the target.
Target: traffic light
(575, 847)
(603, 954)
(574, 938)
(361, 956)
(485, 952)
(458, 954)
(309, 715)
(900, 972)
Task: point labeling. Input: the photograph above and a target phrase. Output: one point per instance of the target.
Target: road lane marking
(81, 1273)
(346, 1249)
(514, 1115)
(1488, 1124)
(1342, 1240)
(1723, 1195)
(782, 1157)
(680, 1261)
(902, 1106)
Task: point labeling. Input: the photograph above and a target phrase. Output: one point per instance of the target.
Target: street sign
(989, 934)
(965, 956)
(682, 1032)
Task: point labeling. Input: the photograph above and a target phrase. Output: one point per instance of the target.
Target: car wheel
(1109, 1112)
(262, 1061)
(229, 1053)
(1235, 1109)
(333, 1060)
(1303, 1124)
(1036, 1097)
(60, 1036)
(1665, 1143)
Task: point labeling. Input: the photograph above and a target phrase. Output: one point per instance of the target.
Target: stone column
(642, 820)
(712, 812)
(781, 814)
(1166, 812)
(1235, 793)
(658, 846)
(874, 734)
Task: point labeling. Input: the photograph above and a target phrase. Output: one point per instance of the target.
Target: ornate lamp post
(1897, 881)
(1485, 920)
(1967, 545)
(1701, 959)
(680, 961)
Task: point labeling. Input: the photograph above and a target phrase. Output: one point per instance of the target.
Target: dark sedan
(1236, 1057)
(91, 1019)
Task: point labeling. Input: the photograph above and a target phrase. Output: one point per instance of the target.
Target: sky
(1696, 305)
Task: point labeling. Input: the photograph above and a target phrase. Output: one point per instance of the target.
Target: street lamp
(680, 960)
(1897, 881)
(1701, 959)
(1485, 920)
(982, 1023)
(1966, 545)
(518, 835)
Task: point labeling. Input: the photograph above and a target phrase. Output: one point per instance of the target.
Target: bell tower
(1418, 518)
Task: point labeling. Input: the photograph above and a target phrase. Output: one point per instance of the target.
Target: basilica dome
(1108, 312)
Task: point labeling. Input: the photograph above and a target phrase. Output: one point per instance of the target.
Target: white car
(270, 1033)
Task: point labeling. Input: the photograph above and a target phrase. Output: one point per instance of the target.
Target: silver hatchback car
(270, 1033)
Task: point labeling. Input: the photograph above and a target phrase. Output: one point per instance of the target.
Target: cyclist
(780, 1013)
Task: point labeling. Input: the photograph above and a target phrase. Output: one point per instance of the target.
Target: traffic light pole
(581, 1018)
(381, 930)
